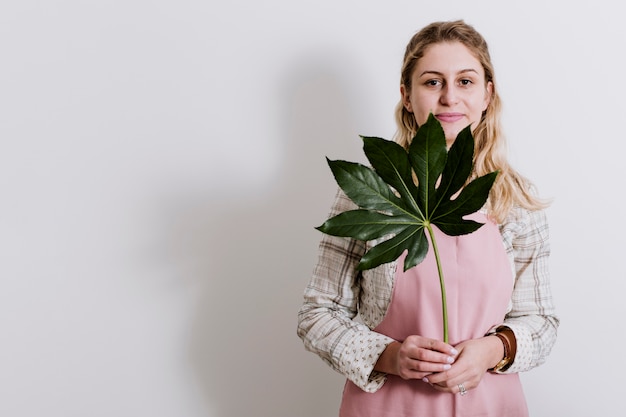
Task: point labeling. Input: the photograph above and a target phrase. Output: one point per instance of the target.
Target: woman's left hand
(475, 357)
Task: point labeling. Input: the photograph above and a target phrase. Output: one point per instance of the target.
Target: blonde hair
(510, 188)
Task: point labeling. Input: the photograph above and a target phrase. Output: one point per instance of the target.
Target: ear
(488, 93)
(406, 98)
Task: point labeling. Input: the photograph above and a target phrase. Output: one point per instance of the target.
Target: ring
(462, 389)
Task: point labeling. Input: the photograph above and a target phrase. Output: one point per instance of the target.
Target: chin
(451, 136)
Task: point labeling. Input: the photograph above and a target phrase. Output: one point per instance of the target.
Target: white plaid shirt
(337, 292)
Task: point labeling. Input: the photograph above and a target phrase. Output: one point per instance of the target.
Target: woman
(502, 319)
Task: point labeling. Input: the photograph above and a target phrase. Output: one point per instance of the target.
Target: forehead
(448, 57)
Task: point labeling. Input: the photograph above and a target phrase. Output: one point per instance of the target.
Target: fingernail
(426, 380)
(453, 351)
(450, 359)
(446, 367)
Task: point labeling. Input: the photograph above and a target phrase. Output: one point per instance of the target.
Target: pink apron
(478, 279)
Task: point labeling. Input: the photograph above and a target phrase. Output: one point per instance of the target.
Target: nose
(449, 95)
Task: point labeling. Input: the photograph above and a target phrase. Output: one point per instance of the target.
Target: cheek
(484, 105)
(421, 108)
(420, 118)
(479, 106)
(420, 115)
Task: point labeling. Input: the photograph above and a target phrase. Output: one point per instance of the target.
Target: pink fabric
(479, 282)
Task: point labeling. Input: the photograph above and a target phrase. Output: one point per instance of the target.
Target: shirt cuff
(524, 355)
(358, 359)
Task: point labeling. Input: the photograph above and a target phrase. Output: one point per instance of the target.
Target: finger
(432, 345)
(429, 366)
(460, 388)
(434, 361)
(414, 369)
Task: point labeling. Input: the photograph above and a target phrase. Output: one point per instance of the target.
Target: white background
(162, 166)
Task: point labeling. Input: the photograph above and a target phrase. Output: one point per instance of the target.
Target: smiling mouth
(449, 117)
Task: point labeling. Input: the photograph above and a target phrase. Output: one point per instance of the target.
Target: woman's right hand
(416, 357)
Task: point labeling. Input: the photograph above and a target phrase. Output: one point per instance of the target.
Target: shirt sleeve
(532, 316)
(327, 319)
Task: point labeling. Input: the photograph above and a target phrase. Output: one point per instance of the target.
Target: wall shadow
(255, 254)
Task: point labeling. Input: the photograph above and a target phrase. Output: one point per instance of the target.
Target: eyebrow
(463, 71)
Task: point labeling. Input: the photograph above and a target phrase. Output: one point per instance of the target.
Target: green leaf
(391, 249)
(452, 226)
(365, 224)
(459, 165)
(427, 154)
(470, 200)
(441, 197)
(417, 251)
(391, 162)
(365, 187)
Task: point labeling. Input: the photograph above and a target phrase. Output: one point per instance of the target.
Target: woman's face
(449, 82)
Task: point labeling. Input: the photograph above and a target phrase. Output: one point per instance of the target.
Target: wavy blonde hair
(510, 188)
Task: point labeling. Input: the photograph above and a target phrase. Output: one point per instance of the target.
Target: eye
(432, 83)
(465, 82)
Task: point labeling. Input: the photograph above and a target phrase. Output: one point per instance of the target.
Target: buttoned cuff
(358, 359)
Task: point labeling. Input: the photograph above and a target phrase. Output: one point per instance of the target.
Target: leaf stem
(444, 302)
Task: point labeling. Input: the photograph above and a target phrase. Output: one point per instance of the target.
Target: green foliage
(391, 203)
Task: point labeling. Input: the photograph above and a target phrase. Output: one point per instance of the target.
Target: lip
(449, 117)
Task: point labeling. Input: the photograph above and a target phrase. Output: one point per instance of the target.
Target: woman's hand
(416, 357)
(474, 359)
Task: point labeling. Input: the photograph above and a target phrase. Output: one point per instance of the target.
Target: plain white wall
(162, 169)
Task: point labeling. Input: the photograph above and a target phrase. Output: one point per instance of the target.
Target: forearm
(326, 319)
(387, 361)
(532, 316)
(350, 348)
